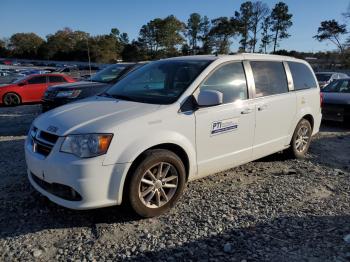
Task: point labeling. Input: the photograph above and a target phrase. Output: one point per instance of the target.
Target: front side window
(160, 82)
(37, 80)
(230, 80)
(302, 76)
(108, 74)
(269, 77)
(339, 86)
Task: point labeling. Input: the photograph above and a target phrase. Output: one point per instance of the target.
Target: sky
(99, 16)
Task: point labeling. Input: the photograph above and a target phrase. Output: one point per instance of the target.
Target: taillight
(321, 99)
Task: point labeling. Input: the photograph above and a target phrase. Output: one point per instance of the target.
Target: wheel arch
(309, 118)
(11, 92)
(178, 150)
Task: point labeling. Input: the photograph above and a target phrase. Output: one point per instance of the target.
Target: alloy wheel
(158, 185)
(302, 139)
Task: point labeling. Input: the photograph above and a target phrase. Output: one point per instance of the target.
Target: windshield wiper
(121, 97)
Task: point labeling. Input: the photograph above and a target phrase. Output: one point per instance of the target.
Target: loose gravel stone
(347, 239)
(37, 253)
(227, 248)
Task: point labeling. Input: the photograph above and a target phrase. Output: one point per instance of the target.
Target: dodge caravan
(170, 122)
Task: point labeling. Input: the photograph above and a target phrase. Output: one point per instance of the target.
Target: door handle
(246, 111)
(262, 107)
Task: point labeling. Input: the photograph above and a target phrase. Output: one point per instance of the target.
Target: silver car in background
(336, 101)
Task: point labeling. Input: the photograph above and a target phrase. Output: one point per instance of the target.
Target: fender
(141, 144)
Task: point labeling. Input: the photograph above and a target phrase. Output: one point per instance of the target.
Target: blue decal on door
(223, 126)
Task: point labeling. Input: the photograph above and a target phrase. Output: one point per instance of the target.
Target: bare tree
(260, 11)
(266, 36)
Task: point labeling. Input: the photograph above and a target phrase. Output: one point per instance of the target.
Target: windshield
(108, 74)
(339, 86)
(323, 77)
(18, 80)
(160, 82)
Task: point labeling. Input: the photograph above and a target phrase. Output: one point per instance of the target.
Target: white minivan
(170, 122)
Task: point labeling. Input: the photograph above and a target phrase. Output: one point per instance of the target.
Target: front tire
(11, 99)
(157, 183)
(301, 140)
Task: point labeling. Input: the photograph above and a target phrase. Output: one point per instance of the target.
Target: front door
(35, 88)
(225, 133)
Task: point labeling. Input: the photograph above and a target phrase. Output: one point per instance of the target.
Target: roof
(48, 74)
(242, 56)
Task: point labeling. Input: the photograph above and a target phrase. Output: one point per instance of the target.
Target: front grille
(43, 142)
(41, 148)
(48, 137)
(62, 191)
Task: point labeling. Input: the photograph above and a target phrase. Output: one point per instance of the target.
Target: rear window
(323, 77)
(302, 76)
(269, 77)
(338, 86)
(56, 79)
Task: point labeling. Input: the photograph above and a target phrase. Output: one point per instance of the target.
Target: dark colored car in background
(324, 78)
(336, 101)
(62, 94)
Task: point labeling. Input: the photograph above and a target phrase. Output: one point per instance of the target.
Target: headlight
(69, 94)
(32, 131)
(87, 145)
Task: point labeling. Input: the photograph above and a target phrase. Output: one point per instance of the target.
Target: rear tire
(11, 99)
(301, 139)
(156, 183)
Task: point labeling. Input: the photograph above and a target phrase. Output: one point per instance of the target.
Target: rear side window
(56, 79)
(37, 80)
(302, 76)
(269, 77)
(230, 80)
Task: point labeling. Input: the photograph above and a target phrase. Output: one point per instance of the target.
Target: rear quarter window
(302, 76)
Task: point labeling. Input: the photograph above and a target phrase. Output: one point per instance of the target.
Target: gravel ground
(273, 209)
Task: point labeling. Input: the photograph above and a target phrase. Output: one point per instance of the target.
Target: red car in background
(30, 89)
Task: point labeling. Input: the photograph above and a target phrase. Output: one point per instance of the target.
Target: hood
(92, 115)
(77, 85)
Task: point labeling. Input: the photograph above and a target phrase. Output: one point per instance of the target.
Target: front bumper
(97, 185)
(335, 112)
(47, 105)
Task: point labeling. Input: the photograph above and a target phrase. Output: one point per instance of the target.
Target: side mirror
(209, 98)
(22, 83)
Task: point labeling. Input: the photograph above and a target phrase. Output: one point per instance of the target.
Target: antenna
(88, 49)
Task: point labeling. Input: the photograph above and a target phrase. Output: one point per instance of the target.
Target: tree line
(255, 26)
